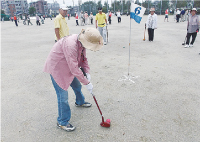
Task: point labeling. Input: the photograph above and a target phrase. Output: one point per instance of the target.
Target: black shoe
(86, 104)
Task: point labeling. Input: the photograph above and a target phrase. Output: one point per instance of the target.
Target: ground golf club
(144, 32)
(185, 40)
(103, 123)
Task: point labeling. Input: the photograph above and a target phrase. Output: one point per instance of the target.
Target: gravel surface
(161, 106)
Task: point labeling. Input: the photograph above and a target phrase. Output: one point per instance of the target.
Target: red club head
(105, 123)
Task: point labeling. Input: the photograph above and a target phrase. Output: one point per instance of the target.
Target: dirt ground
(161, 106)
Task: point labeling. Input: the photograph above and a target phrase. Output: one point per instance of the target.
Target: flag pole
(129, 48)
(130, 77)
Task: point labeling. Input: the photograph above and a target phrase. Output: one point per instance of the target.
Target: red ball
(108, 120)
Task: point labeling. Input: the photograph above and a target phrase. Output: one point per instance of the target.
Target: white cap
(194, 9)
(64, 7)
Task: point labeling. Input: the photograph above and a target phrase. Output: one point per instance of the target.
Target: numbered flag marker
(137, 12)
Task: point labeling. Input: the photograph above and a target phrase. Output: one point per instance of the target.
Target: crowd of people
(181, 15)
(192, 24)
(85, 18)
(27, 20)
(67, 62)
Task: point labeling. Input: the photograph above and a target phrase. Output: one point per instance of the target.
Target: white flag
(137, 12)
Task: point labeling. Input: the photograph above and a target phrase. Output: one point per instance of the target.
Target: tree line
(124, 6)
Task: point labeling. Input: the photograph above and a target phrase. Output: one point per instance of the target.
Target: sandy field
(161, 106)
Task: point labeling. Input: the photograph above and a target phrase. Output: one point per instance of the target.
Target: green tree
(196, 3)
(113, 6)
(147, 4)
(2, 11)
(32, 10)
(124, 7)
(104, 9)
(163, 7)
(128, 6)
(99, 4)
(117, 6)
(179, 4)
(89, 6)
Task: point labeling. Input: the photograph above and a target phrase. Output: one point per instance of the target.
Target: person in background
(178, 12)
(86, 18)
(151, 24)
(42, 20)
(102, 23)
(24, 18)
(119, 16)
(60, 24)
(65, 64)
(37, 20)
(76, 17)
(91, 18)
(82, 19)
(182, 15)
(109, 16)
(166, 15)
(68, 17)
(28, 19)
(15, 19)
(192, 27)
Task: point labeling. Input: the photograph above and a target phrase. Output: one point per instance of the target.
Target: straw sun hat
(91, 39)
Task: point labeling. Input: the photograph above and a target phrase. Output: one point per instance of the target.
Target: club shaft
(98, 108)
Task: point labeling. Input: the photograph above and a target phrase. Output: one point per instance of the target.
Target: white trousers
(102, 31)
(82, 23)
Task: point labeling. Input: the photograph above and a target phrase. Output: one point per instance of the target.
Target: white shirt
(118, 14)
(178, 12)
(152, 21)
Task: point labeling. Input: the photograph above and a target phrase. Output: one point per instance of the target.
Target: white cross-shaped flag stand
(136, 14)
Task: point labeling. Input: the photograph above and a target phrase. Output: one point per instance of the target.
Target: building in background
(12, 7)
(53, 8)
(21, 6)
(73, 10)
(40, 6)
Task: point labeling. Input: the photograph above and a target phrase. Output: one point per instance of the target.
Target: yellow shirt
(101, 19)
(61, 23)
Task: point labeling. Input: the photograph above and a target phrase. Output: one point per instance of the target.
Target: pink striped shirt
(64, 61)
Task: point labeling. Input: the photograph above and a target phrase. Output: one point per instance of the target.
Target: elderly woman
(151, 23)
(65, 63)
(192, 27)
